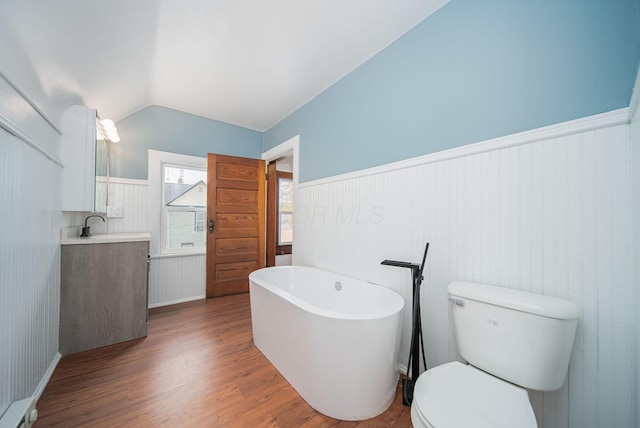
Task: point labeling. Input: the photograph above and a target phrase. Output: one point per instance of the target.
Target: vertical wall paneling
(621, 282)
(550, 216)
(131, 195)
(576, 238)
(634, 137)
(29, 268)
(29, 246)
(176, 279)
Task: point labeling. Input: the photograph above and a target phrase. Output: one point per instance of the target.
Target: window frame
(154, 200)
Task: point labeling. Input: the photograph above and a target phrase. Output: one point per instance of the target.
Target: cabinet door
(84, 175)
(103, 294)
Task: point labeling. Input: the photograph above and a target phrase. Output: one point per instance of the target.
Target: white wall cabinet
(84, 176)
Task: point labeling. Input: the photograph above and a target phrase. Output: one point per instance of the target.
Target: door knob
(211, 226)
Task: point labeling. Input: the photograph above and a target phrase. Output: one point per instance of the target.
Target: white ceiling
(246, 62)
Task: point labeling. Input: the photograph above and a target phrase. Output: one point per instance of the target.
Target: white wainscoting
(549, 216)
(131, 195)
(176, 280)
(171, 279)
(634, 132)
(29, 268)
(30, 218)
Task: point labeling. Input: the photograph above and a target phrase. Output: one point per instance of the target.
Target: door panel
(236, 221)
(237, 246)
(237, 172)
(227, 271)
(236, 204)
(237, 197)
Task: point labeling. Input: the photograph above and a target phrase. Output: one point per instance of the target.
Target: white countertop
(105, 238)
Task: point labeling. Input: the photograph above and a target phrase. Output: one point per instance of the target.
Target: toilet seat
(455, 395)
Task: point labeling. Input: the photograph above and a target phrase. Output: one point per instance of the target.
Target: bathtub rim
(254, 278)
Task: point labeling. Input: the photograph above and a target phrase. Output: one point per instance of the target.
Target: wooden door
(236, 223)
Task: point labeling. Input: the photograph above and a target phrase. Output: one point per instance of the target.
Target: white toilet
(512, 340)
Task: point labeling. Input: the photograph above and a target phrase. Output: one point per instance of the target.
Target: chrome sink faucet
(86, 232)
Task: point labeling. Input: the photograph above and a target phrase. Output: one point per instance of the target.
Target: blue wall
(165, 129)
(474, 70)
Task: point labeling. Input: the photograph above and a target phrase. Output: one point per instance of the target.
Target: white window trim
(291, 147)
(154, 208)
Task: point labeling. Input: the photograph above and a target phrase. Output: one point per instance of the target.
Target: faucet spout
(86, 230)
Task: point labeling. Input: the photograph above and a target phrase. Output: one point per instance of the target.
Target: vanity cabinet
(84, 176)
(103, 293)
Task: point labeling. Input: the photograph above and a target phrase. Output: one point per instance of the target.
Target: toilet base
(455, 395)
(416, 420)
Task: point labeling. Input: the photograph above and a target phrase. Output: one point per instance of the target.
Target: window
(199, 223)
(285, 208)
(184, 206)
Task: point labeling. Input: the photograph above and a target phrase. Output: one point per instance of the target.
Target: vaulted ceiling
(245, 62)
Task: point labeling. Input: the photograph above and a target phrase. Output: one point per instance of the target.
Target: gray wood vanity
(103, 290)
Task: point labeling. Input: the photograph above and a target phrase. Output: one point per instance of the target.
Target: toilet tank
(521, 337)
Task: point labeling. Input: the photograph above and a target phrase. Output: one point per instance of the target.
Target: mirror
(102, 175)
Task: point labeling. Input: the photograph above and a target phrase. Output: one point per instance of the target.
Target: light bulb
(109, 130)
(108, 123)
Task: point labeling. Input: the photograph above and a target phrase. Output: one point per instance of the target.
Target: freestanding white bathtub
(335, 339)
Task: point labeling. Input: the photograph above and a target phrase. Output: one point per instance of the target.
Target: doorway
(280, 212)
(284, 161)
(226, 273)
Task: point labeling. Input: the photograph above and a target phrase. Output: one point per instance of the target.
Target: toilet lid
(456, 395)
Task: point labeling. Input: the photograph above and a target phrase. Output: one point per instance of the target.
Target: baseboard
(175, 302)
(402, 369)
(47, 376)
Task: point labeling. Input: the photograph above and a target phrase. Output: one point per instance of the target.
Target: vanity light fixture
(107, 130)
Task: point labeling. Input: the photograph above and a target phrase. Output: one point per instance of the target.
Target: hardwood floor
(198, 367)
